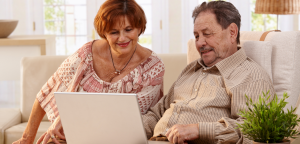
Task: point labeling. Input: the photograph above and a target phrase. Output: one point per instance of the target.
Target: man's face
(212, 42)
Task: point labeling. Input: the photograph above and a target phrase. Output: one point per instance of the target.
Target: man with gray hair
(203, 104)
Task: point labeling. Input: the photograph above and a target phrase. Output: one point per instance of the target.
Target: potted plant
(267, 122)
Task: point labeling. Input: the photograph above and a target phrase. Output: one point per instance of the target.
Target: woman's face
(123, 37)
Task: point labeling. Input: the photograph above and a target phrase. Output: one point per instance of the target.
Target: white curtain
(6, 9)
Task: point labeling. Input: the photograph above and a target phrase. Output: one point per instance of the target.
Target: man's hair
(225, 12)
(113, 11)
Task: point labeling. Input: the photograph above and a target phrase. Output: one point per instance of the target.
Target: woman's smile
(123, 44)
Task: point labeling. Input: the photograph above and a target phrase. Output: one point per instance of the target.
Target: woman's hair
(113, 11)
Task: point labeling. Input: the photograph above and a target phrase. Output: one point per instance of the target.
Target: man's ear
(233, 30)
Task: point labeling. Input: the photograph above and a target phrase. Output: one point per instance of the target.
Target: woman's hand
(54, 130)
(24, 140)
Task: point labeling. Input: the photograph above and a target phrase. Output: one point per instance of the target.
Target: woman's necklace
(119, 71)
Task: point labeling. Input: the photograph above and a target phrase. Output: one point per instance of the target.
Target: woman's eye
(113, 32)
(128, 30)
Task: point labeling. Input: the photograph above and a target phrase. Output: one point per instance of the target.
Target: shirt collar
(227, 65)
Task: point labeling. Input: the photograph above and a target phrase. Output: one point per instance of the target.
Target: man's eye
(206, 34)
(196, 37)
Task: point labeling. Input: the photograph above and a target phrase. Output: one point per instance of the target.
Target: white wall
(25, 12)
(6, 11)
(187, 8)
(244, 10)
(92, 11)
(288, 22)
(175, 21)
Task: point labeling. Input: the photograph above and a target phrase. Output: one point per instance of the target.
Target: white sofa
(279, 54)
(35, 72)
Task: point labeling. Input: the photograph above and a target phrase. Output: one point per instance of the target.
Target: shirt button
(203, 73)
(175, 113)
(167, 129)
(195, 89)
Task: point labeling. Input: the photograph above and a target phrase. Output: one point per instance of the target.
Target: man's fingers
(181, 139)
(170, 137)
(41, 138)
(175, 139)
(168, 132)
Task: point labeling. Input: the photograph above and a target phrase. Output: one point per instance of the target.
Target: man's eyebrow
(205, 29)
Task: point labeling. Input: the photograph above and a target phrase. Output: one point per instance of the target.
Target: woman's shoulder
(153, 62)
(86, 50)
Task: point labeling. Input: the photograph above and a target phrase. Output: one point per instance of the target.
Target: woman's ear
(233, 29)
(140, 31)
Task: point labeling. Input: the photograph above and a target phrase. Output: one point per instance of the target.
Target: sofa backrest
(37, 70)
(174, 64)
(285, 59)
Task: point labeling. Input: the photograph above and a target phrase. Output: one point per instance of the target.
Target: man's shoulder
(256, 71)
(247, 72)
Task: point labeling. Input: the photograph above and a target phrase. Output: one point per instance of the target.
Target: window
(262, 22)
(146, 38)
(67, 20)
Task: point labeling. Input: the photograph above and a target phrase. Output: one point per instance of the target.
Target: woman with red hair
(114, 64)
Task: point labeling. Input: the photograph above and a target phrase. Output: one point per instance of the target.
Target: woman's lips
(123, 44)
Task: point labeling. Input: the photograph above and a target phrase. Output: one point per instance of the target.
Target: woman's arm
(36, 116)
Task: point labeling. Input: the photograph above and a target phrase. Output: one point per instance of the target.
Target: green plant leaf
(265, 120)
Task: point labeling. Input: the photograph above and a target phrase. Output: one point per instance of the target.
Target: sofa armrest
(9, 118)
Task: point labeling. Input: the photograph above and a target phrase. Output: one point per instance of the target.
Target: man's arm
(224, 130)
(156, 112)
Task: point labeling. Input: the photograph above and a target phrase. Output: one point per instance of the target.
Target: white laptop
(101, 118)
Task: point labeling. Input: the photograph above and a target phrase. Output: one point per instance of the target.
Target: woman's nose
(122, 37)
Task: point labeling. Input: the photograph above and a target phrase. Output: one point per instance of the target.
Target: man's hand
(180, 134)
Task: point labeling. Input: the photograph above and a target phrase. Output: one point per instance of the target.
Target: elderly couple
(203, 104)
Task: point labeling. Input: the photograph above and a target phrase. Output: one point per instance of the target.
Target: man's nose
(201, 42)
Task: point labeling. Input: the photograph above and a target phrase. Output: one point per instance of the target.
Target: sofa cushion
(192, 53)
(174, 64)
(15, 132)
(9, 118)
(260, 52)
(285, 62)
(35, 73)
